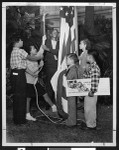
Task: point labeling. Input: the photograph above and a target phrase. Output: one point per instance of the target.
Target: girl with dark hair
(32, 72)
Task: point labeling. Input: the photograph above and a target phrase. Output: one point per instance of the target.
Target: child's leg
(90, 111)
(28, 115)
(28, 105)
(48, 100)
(71, 121)
(19, 102)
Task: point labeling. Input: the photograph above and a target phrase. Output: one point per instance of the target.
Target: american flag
(67, 32)
(67, 43)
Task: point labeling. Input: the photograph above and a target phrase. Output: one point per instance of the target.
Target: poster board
(81, 87)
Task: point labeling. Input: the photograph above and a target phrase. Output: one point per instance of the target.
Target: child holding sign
(74, 71)
(90, 101)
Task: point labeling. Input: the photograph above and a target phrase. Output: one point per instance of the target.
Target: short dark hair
(94, 53)
(74, 57)
(36, 45)
(96, 57)
(16, 40)
(32, 44)
(87, 43)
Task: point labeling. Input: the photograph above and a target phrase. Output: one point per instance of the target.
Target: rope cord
(55, 122)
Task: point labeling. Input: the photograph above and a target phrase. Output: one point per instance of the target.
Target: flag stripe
(67, 45)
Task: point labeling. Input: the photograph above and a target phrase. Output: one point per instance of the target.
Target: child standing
(32, 78)
(90, 101)
(74, 71)
(18, 65)
(84, 45)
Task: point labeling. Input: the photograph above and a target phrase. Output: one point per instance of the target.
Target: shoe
(54, 108)
(94, 128)
(29, 117)
(87, 128)
(83, 126)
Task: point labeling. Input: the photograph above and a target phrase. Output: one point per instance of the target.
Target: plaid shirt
(93, 73)
(18, 59)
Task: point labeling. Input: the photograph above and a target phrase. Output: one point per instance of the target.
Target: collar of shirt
(16, 48)
(54, 44)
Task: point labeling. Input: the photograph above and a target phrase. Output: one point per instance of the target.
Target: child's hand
(41, 64)
(40, 52)
(90, 94)
(44, 39)
(35, 75)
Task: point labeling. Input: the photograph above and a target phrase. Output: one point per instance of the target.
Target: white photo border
(4, 5)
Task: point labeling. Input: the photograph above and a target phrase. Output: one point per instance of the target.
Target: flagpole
(76, 24)
(41, 50)
(43, 20)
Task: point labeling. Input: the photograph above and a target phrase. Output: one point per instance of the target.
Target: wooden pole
(44, 34)
(44, 23)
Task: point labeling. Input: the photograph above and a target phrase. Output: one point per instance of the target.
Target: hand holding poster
(81, 87)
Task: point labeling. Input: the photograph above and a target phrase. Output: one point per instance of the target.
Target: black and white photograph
(44, 45)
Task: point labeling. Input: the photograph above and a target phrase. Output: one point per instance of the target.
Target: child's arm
(41, 64)
(39, 55)
(94, 82)
(72, 73)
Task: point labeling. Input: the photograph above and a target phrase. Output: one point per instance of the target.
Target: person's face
(82, 46)
(89, 58)
(69, 61)
(54, 33)
(33, 50)
(20, 43)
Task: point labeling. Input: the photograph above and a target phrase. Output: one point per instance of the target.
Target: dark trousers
(19, 98)
(49, 74)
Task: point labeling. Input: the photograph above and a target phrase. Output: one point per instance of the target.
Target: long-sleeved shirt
(93, 73)
(74, 72)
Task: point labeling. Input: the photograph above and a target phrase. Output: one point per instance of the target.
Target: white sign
(81, 87)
